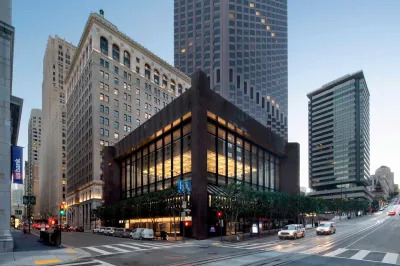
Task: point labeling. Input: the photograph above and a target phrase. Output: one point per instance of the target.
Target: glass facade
(160, 163)
(339, 135)
(231, 157)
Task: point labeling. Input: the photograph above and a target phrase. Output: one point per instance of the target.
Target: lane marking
(360, 255)
(116, 248)
(390, 258)
(103, 252)
(336, 252)
(42, 262)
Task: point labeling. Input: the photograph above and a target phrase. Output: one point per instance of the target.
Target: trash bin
(56, 237)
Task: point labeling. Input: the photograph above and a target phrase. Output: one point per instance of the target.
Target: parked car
(112, 231)
(96, 230)
(65, 228)
(391, 213)
(127, 233)
(326, 228)
(79, 229)
(101, 230)
(291, 231)
(119, 232)
(142, 233)
(73, 228)
(107, 230)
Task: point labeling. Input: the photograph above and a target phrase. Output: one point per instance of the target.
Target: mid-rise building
(32, 177)
(243, 47)
(382, 183)
(113, 86)
(53, 161)
(10, 117)
(338, 134)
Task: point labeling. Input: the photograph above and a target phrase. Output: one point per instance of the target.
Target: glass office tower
(242, 46)
(338, 129)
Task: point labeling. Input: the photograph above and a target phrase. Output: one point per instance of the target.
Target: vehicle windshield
(289, 227)
(324, 225)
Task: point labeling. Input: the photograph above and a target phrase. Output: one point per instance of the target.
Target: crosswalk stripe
(360, 255)
(262, 246)
(116, 248)
(128, 246)
(103, 252)
(336, 252)
(390, 258)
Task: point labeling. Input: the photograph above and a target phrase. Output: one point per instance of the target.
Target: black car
(65, 228)
(79, 229)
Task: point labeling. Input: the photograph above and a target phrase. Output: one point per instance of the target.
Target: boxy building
(203, 138)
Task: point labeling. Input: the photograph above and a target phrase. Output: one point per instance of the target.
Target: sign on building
(17, 164)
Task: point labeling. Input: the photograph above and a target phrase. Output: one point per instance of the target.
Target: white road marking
(128, 246)
(116, 248)
(360, 255)
(336, 252)
(101, 263)
(390, 258)
(103, 252)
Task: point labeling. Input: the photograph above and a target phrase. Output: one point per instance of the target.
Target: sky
(327, 39)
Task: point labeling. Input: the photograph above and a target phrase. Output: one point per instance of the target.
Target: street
(367, 240)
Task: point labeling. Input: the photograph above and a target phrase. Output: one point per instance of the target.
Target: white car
(326, 228)
(111, 231)
(142, 233)
(96, 230)
(302, 228)
(291, 231)
(107, 230)
(101, 230)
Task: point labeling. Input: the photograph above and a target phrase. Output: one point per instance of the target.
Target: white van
(142, 233)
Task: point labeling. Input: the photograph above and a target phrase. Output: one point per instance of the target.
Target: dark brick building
(203, 138)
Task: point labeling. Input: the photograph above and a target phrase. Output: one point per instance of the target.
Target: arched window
(127, 59)
(147, 71)
(156, 77)
(179, 89)
(115, 52)
(172, 85)
(104, 45)
(164, 81)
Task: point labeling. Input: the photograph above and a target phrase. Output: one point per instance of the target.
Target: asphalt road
(368, 240)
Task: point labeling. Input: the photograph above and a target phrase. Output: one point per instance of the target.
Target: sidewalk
(29, 251)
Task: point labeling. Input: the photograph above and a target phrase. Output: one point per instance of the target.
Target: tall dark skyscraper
(338, 128)
(243, 47)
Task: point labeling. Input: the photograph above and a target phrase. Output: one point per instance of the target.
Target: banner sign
(17, 164)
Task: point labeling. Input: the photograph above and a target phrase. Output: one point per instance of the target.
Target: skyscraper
(10, 117)
(53, 161)
(113, 86)
(338, 128)
(34, 142)
(242, 46)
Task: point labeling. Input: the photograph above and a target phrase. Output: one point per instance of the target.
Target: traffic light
(62, 209)
(219, 215)
(187, 224)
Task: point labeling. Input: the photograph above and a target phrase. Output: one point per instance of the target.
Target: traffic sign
(184, 187)
(18, 212)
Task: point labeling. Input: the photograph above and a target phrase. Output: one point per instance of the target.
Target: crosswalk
(365, 255)
(89, 262)
(125, 247)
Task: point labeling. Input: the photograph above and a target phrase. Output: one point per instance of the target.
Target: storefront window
(272, 165)
(260, 168)
(254, 158)
(152, 177)
(187, 149)
(133, 175)
(277, 177)
(159, 159)
(239, 159)
(221, 154)
(123, 183)
(231, 159)
(145, 168)
(247, 162)
(139, 171)
(167, 162)
(176, 163)
(266, 174)
(128, 175)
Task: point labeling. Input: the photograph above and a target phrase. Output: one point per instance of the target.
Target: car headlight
(279, 233)
(291, 233)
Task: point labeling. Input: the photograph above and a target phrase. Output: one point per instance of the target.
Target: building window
(115, 91)
(116, 136)
(179, 89)
(218, 75)
(262, 102)
(127, 59)
(258, 98)
(116, 81)
(116, 70)
(164, 82)
(251, 93)
(147, 71)
(156, 77)
(245, 87)
(116, 125)
(115, 52)
(172, 85)
(238, 82)
(104, 45)
(231, 75)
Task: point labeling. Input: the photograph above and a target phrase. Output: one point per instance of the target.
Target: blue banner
(17, 164)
